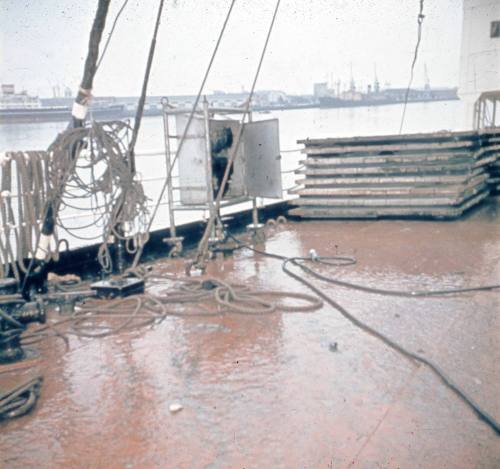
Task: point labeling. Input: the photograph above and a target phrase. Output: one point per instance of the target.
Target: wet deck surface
(268, 391)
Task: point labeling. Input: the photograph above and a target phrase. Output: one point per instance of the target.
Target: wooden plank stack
(418, 175)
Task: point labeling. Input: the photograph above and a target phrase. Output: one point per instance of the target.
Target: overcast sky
(44, 43)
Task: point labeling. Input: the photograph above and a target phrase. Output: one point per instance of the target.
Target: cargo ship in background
(375, 96)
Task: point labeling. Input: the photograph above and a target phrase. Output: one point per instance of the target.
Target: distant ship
(377, 97)
(21, 107)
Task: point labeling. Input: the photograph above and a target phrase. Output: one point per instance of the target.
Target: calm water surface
(294, 125)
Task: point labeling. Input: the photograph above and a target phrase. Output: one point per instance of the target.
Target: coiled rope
(100, 177)
(207, 296)
(20, 399)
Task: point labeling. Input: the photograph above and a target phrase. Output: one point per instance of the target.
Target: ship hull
(332, 102)
(57, 114)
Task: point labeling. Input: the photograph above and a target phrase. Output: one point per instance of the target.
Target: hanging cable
(140, 106)
(420, 20)
(110, 35)
(203, 245)
(139, 252)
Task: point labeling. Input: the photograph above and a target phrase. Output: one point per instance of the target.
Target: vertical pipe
(255, 213)
(255, 210)
(168, 168)
(208, 166)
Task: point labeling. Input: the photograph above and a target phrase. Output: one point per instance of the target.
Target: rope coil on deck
(20, 399)
(205, 297)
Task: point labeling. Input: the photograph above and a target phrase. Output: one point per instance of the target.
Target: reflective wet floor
(275, 391)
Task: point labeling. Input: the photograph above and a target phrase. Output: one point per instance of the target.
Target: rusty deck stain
(271, 391)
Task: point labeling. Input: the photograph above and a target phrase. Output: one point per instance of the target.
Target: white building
(480, 52)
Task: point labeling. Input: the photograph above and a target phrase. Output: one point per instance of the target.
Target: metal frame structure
(485, 110)
(206, 113)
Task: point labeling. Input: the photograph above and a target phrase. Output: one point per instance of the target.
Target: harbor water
(294, 125)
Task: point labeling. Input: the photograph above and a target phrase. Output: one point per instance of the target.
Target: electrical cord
(413, 357)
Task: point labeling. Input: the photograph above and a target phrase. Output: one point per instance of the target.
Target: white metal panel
(192, 161)
(261, 150)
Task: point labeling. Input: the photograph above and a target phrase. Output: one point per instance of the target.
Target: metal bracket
(175, 244)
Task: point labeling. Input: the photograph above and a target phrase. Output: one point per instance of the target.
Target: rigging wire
(139, 252)
(142, 99)
(420, 20)
(110, 35)
(203, 245)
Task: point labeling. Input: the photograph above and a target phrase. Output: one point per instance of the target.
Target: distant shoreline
(123, 111)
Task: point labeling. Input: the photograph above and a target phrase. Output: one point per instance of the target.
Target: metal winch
(15, 314)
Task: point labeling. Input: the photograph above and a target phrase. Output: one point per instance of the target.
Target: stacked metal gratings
(492, 143)
(419, 175)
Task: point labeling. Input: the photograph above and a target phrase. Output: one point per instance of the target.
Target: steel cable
(200, 258)
(110, 35)
(183, 138)
(420, 20)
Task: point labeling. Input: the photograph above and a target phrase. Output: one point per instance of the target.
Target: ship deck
(273, 391)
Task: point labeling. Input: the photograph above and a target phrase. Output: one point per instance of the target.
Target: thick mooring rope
(169, 295)
(23, 192)
(20, 399)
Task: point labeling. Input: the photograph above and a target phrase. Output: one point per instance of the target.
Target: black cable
(420, 20)
(168, 178)
(140, 106)
(297, 261)
(481, 414)
(408, 294)
(92, 55)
